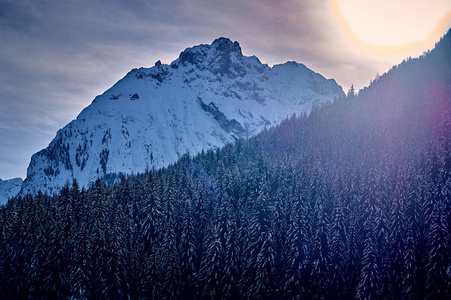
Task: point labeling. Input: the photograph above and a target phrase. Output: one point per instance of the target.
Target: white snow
(153, 116)
(9, 188)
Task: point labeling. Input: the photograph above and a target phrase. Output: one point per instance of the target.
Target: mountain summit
(223, 56)
(209, 96)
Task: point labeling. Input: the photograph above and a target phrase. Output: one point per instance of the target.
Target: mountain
(208, 97)
(352, 201)
(9, 188)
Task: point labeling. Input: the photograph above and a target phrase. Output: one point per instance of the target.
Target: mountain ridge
(209, 96)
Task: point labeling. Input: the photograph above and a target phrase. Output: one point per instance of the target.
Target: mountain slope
(209, 96)
(352, 201)
(9, 188)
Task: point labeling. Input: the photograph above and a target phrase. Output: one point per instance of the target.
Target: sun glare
(387, 26)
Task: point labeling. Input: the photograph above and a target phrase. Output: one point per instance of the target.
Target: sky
(56, 56)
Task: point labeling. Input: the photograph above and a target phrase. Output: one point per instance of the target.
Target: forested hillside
(352, 201)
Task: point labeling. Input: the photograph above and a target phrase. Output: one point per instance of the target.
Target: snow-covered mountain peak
(219, 57)
(209, 96)
(226, 46)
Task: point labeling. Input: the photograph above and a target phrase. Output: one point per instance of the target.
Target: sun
(388, 26)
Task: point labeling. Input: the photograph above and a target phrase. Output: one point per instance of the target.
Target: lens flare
(373, 42)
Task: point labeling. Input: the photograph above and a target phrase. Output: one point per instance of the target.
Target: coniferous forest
(350, 202)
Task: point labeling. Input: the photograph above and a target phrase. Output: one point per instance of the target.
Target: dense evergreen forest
(352, 201)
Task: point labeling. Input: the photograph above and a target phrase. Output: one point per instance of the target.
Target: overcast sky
(56, 56)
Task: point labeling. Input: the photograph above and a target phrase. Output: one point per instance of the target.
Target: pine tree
(369, 285)
(338, 251)
(354, 254)
(80, 273)
(232, 263)
(152, 286)
(411, 283)
(258, 231)
(298, 237)
(188, 255)
(212, 267)
(171, 268)
(320, 259)
(113, 264)
(397, 237)
(438, 278)
(264, 284)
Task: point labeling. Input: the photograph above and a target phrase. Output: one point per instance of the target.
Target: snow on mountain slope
(9, 188)
(209, 96)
